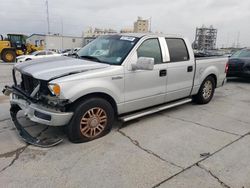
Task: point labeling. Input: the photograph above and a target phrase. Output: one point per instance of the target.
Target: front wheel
(206, 91)
(93, 118)
(8, 56)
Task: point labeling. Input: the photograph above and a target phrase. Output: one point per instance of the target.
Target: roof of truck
(140, 35)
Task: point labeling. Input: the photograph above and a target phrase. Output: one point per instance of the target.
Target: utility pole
(238, 40)
(47, 10)
(62, 32)
(150, 19)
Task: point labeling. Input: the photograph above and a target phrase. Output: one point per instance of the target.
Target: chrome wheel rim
(93, 122)
(207, 89)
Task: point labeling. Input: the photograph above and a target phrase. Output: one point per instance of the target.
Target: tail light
(226, 68)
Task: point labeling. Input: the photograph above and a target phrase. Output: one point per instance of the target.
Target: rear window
(177, 50)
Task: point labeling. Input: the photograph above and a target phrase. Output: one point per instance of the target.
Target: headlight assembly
(55, 89)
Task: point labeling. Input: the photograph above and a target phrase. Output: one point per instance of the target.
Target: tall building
(205, 38)
(141, 25)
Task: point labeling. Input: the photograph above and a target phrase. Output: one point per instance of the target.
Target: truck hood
(56, 67)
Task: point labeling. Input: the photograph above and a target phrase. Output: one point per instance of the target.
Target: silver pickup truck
(123, 76)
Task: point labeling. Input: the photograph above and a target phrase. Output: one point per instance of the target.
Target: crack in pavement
(136, 143)
(17, 153)
(214, 176)
(6, 119)
(199, 124)
(45, 129)
(185, 169)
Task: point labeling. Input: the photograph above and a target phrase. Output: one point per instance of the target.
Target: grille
(28, 83)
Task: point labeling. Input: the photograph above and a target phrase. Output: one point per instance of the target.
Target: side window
(150, 48)
(177, 50)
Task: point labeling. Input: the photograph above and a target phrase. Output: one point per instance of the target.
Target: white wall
(57, 42)
(36, 40)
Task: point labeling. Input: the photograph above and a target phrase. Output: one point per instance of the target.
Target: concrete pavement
(160, 150)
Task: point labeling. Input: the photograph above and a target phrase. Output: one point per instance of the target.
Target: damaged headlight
(17, 76)
(54, 89)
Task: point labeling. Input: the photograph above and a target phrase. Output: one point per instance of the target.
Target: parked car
(66, 52)
(36, 55)
(239, 64)
(74, 52)
(116, 76)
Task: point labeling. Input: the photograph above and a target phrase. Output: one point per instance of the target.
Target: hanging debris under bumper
(35, 113)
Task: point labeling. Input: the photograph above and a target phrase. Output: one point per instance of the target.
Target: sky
(230, 17)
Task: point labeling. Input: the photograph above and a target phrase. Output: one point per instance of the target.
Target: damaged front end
(39, 105)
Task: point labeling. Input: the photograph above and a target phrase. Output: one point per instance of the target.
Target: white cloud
(180, 16)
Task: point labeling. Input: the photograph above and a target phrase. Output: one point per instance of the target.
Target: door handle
(190, 68)
(163, 72)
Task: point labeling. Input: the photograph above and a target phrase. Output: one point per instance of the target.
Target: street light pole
(47, 10)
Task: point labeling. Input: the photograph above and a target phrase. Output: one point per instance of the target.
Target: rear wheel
(206, 91)
(8, 56)
(93, 118)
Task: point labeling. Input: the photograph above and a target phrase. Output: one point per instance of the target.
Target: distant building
(87, 40)
(95, 32)
(141, 25)
(205, 38)
(55, 42)
(127, 30)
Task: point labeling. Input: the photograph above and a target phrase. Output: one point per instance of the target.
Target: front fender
(74, 90)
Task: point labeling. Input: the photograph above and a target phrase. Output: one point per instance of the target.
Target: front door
(144, 88)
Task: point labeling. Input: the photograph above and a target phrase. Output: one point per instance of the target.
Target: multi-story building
(205, 38)
(141, 25)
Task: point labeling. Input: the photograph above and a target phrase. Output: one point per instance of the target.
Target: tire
(28, 59)
(206, 91)
(92, 119)
(8, 56)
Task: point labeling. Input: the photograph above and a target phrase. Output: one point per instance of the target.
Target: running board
(153, 110)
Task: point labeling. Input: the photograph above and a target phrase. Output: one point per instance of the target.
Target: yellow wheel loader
(15, 45)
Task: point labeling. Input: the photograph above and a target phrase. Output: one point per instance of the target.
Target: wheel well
(99, 95)
(214, 77)
(8, 49)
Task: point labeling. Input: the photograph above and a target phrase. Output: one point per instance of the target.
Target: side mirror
(144, 63)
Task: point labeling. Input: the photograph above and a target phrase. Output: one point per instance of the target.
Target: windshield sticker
(118, 59)
(127, 38)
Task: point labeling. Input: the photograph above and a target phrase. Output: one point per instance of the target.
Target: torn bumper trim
(29, 138)
(42, 114)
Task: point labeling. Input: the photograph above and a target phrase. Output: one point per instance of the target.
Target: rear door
(180, 69)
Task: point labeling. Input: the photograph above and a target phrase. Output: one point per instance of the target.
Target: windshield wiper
(90, 58)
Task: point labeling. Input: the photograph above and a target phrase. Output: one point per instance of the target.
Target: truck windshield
(110, 49)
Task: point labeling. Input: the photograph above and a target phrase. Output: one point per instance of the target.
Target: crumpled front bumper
(37, 112)
(41, 114)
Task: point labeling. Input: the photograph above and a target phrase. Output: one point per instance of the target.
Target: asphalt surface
(187, 146)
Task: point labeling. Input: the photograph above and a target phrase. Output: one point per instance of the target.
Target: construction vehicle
(15, 45)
